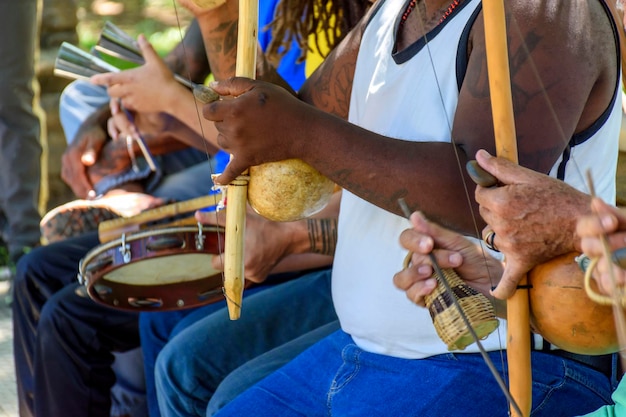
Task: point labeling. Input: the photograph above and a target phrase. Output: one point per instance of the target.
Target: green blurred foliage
(163, 22)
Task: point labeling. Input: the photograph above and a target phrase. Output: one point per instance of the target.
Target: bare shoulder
(579, 27)
(576, 42)
(573, 37)
(563, 61)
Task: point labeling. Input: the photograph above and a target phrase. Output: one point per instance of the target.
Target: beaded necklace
(413, 3)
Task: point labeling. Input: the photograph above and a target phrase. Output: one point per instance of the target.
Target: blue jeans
(79, 100)
(256, 369)
(193, 364)
(46, 308)
(62, 355)
(336, 378)
(158, 328)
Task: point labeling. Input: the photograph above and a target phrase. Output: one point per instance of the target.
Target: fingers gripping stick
(479, 175)
(461, 314)
(204, 94)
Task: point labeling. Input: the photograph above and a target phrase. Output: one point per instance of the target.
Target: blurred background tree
(80, 22)
(162, 21)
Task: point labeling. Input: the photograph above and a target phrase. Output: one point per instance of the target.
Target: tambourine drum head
(165, 270)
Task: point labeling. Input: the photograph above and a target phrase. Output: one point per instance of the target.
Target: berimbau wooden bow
(247, 37)
(238, 189)
(518, 310)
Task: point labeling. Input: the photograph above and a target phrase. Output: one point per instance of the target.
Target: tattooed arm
(273, 247)
(563, 67)
(188, 58)
(322, 233)
(219, 33)
(563, 73)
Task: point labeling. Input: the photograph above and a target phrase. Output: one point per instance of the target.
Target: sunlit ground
(8, 395)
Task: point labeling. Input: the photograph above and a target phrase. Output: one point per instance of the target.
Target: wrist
(298, 237)
(322, 235)
(178, 100)
(173, 94)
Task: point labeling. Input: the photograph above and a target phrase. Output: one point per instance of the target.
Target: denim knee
(20, 279)
(170, 389)
(164, 367)
(30, 266)
(48, 333)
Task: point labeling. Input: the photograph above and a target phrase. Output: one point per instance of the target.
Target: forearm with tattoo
(322, 235)
(190, 60)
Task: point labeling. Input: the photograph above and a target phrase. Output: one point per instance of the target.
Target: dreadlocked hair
(296, 20)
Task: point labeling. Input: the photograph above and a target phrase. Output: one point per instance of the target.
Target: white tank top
(371, 309)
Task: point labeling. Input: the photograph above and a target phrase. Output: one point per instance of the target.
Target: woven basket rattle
(445, 314)
(448, 322)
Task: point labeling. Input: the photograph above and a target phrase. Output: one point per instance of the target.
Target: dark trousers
(63, 341)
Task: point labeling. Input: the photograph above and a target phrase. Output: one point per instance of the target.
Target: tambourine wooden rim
(107, 282)
(98, 250)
